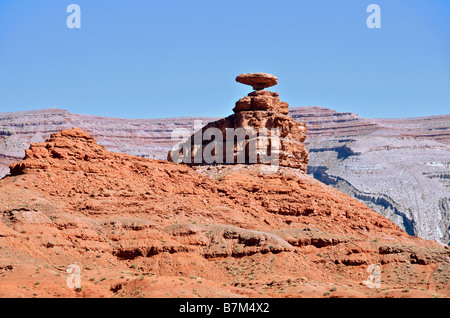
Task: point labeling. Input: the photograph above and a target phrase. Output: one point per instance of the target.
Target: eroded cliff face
(406, 183)
(399, 168)
(401, 172)
(139, 227)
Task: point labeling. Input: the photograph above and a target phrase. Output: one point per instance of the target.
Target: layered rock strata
(404, 159)
(146, 228)
(270, 135)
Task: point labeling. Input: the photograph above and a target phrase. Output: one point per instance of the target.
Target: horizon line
(199, 116)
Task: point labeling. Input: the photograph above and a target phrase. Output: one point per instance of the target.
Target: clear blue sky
(152, 59)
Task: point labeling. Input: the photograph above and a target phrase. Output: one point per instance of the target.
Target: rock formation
(397, 167)
(260, 111)
(257, 80)
(403, 159)
(147, 228)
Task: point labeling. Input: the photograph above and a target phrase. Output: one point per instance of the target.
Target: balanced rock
(260, 99)
(268, 128)
(257, 80)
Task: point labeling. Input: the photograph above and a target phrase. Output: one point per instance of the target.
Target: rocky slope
(139, 227)
(398, 167)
